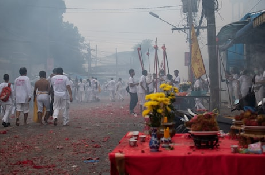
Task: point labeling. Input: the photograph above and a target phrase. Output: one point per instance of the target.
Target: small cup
(234, 148)
(132, 142)
(136, 134)
(142, 138)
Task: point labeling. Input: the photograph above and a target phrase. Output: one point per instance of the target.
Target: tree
(36, 28)
(145, 45)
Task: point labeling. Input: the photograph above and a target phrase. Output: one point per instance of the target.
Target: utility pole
(209, 8)
(116, 64)
(89, 61)
(190, 22)
(96, 63)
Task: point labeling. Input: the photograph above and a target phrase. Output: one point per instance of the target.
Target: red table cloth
(184, 159)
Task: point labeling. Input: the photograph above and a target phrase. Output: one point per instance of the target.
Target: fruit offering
(203, 122)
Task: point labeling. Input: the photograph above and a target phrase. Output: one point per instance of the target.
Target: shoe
(17, 121)
(55, 122)
(8, 124)
(4, 124)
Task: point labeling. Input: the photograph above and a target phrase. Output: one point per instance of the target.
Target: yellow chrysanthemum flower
(160, 111)
(145, 112)
(163, 85)
(168, 109)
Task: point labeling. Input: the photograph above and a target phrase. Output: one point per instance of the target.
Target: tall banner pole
(140, 59)
(148, 59)
(156, 60)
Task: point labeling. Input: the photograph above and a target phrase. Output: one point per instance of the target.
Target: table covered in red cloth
(184, 159)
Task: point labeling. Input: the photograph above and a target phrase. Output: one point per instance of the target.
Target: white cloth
(43, 100)
(22, 89)
(63, 104)
(23, 107)
(143, 82)
(11, 97)
(111, 85)
(81, 87)
(6, 111)
(258, 91)
(59, 83)
(151, 87)
(141, 97)
(177, 80)
(245, 83)
(198, 83)
(134, 88)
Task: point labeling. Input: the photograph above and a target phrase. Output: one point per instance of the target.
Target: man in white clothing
(6, 103)
(176, 80)
(111, 87)
(142, 90)
(133, 92)
(23, 94)
(61, 85)
(119, 89)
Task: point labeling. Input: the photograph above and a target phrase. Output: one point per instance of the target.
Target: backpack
(127, 89)
(6, 92)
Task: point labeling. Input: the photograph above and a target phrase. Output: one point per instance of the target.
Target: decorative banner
(148, 59)
(196, 56)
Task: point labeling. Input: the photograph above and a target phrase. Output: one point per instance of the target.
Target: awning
(243, 32)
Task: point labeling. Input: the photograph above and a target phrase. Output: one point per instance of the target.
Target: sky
(121, 24)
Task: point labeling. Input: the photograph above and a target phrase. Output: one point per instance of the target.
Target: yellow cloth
(35, 111)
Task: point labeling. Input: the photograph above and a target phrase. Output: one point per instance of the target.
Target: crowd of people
(149, 83)
(53, 93)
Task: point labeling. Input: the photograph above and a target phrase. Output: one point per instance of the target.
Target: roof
(249, 30)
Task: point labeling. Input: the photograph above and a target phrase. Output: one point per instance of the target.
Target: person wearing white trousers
(61, 85)
(88, 91)
(7, 105)
(119, 89)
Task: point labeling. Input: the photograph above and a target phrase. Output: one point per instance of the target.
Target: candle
(165, 119)
(166, 133)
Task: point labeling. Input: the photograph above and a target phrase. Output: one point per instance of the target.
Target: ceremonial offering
(204, 130)
(184, 86)
(136, 134)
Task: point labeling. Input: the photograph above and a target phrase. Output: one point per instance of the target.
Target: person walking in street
(119, 89)
(81, 90)
(6, 99)
(111, 87)
(142, 90)
(133, 91)
(61, 85)
(42, 95)
(258, 86)
(88, 92)
(23, 94)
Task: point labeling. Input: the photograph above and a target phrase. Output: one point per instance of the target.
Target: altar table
(185, 159)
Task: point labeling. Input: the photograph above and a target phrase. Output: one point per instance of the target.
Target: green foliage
(36, 28)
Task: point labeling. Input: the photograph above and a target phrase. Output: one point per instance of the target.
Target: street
(81, 148)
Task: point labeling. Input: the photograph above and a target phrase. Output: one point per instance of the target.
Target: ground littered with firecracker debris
(80, 148)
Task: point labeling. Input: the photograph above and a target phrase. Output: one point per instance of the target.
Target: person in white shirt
(245, 83)
(88, 89)
(119, 89)
(176, 80)
(6, 105)
(132, 91)
(111, 87)
(199, 85)
(81, 90)
(142, 89)
(162, 79)
(61, 85)
(23, 94)
(258, 87)
(150, 82)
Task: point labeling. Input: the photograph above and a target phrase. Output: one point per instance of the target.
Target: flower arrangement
(159, 104)
(184, 86)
